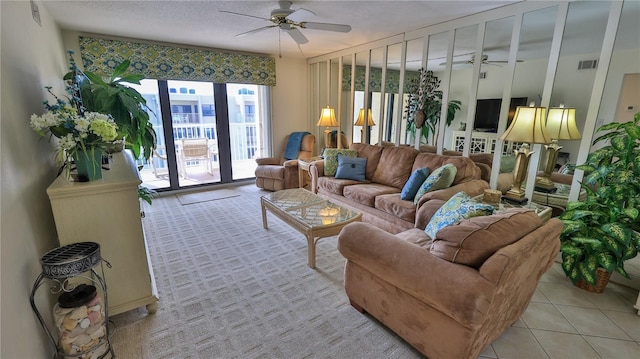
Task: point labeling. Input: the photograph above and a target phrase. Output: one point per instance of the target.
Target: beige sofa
(453, 296)
(388, 169)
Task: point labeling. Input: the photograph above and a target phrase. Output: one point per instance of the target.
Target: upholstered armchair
(278, 173)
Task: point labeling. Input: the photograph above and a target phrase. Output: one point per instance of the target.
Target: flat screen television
(488, 113)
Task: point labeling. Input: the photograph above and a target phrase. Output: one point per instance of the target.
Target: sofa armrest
(472, 188)
(290, 163)
(458, 291)
(316, 169)
(268, 161)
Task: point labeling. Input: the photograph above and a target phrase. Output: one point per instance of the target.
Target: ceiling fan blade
(325, 26)
(255, 30)
(300, 14)
(237, 13)
(296, 35)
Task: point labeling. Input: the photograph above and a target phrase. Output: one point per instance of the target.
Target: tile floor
(563, 321)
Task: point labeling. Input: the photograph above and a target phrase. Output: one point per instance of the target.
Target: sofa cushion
(392, 204)
(460, 206)
(331, 159)
(395, 165)
(270, 171)
(413, 184)
(416, 236)
(440, 178)
(366, 193)
(372, 153)
(335, 185)
(351, 168)
(473, 240)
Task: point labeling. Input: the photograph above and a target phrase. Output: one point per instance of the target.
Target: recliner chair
(278, 173)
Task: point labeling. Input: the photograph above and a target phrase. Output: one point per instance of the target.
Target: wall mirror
(361, 94)
(392, 102)
(461, 85)
(413, 63)
(577, 66)
(370, 124)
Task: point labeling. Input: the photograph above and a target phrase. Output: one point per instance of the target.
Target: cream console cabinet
(107, 212)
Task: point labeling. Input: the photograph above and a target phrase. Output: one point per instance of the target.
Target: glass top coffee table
(309, 214)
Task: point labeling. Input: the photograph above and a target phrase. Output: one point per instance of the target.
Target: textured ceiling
(200, 23)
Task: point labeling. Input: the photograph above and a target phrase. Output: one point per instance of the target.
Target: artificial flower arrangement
(79, 132)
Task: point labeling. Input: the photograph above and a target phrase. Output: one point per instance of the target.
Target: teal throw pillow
(331, 159)
(351, 168)
(441, 177)
(413, 184)
(460, 206)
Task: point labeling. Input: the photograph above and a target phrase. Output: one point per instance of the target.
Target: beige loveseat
(388, 169)
(453, 296)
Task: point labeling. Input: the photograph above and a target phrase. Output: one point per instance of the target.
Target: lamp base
(545, 184)
(520, 201)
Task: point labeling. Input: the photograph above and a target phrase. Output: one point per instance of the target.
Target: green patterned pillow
(441, 177)
(460, 206)
(331, 159)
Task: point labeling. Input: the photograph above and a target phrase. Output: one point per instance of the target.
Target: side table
(543, 212)
(303, 166)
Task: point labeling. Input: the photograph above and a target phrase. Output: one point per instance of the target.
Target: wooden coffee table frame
(313, 232)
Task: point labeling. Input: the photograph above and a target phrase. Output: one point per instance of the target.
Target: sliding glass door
(206, 133)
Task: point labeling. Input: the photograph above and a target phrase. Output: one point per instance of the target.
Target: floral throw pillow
(460, 206)
(331, 159)
(441, 177)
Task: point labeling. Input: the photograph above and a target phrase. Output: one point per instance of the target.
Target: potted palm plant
(109, 94)
(424, 106)
(601, 232)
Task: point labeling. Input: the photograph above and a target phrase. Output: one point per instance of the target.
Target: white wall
(32, 57)
(290, 101)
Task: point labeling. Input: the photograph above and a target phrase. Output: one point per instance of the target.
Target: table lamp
(561, 125)
(528, 126)
(327, 119)
(360, 121)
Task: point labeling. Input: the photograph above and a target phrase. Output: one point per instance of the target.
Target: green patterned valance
(375, 79)
(177, 63)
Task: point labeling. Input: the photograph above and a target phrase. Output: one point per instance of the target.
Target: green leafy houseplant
(602, 230)
(426, 100)
(126, 106)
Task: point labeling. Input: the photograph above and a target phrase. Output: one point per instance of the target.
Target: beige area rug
(230, 289)
(197, 197)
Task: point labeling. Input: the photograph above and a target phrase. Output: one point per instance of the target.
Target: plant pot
(88, 165)
(419, 118)
(602, 278)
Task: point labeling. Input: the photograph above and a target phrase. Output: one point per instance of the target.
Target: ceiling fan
(290, 21)
(485, 61)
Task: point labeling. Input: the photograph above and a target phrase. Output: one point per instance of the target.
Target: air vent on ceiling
(587, 64)
(483, 75)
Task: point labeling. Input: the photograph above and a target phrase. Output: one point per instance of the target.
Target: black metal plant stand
(59, 266)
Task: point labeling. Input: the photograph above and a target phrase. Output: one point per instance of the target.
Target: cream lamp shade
(360, 119)
(327, 119)
(528, 126)
(561, 125)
